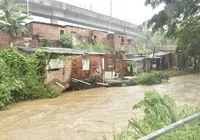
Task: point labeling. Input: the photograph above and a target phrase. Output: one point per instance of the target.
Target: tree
(149, 40)
(12, 19)
(179, 18)
(173, 14)
(66, 41)
(188, 39)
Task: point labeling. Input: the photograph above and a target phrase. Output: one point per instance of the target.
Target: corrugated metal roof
(136, 59)
(63, 51)
(158, 55)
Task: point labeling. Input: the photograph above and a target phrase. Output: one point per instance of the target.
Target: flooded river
(90, 114)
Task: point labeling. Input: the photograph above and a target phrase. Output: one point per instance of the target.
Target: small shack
(68, 63)
(138, 64)
(88, 67)
(161, 60)
(114, 67)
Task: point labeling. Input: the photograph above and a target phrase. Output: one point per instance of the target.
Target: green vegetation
(175, 12)
(12, 19)
(156, 77)
(66, 41)
(21, 77)
(172, 73)
(150, 78)
(47, 42)
(149, 40)
(144, 51)
(179, 19)
(159, 112)
(91, 48)
(188, 40)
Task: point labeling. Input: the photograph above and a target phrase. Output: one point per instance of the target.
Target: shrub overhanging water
(21, 77)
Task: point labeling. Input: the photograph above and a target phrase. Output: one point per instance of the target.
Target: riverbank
(88, 114)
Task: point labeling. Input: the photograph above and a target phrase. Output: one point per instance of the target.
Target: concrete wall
(56, 10)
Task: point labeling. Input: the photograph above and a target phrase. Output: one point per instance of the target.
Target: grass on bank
(159, 112)
(156, 77)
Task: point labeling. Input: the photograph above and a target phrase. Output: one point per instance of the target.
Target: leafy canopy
(180, 18)
(21, 77)
(174, 12)
(12, 19)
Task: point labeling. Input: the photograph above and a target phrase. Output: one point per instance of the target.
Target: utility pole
(125, 26)
(110, 22)
(27, 7)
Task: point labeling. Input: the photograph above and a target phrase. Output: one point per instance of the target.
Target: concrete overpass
(56, 10)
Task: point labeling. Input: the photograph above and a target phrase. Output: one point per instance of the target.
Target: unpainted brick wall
(116, 60)
(19, 41)
(45, 30)
(95, 63)
(82, 35)
(174, 60)
(4, 39)
(61, 75)
(53, 31)
(100, 36)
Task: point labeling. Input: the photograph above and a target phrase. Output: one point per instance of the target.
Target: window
(109, 36)
(122, 40)
(56, 64)
(62, 32)
(73, 36)
(35, 37)
(86, 64)
(129, 41)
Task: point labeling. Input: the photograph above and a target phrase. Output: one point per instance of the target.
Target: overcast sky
(130, 10)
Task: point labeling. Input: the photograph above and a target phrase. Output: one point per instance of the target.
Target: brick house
(81, 65)
(57, 70)
(88, 67)
(38, 31)
(115, 63)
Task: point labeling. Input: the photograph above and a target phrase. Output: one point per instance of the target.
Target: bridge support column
(54, 20)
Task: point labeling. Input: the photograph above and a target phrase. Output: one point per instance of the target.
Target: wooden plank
(60, 85)
(104, 84)
(81, 81)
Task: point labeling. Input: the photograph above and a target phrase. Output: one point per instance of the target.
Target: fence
(171, 127)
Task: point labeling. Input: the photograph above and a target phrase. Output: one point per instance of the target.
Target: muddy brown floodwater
(90, 114)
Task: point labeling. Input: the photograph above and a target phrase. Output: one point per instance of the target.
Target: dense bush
(156, 77)
(172, 73)
(66, 41)
(47, 42)
(159, 112)
(150, 78)
(21, 77)
(91, 48)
